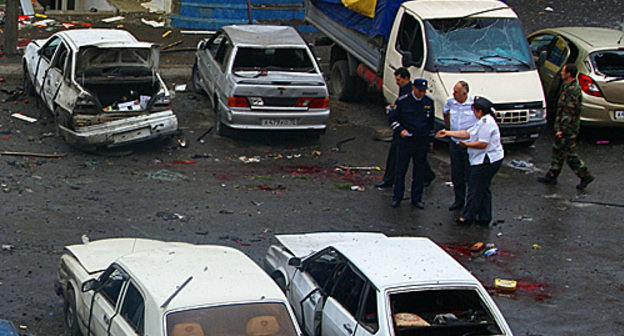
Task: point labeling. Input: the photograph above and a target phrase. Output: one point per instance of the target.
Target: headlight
(537, 114)
(85, 105)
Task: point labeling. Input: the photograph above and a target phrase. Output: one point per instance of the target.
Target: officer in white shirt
(458, 116)
(486, 155)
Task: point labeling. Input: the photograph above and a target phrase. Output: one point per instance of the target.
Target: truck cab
(480, 42)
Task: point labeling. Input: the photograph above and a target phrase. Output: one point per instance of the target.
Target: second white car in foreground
(343, 284)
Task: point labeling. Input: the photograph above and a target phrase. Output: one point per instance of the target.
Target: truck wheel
(345, 87)
(195, 80)
(29, 89)
(69, 310)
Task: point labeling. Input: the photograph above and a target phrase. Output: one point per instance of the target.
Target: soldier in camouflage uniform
(567, 125)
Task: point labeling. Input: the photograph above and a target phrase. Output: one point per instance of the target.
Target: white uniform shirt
(462, 117)
(485, 130)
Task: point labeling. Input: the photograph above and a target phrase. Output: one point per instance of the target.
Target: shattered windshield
(609, 63)
(441, 312)
(253, 319)
(277, 59)
(477, 44)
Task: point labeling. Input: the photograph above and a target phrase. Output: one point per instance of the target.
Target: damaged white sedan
(364, 284)
(129, 287)
(102, 86)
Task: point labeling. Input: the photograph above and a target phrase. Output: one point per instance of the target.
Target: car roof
(590, 38)
(436, 9)
(386, 261)
(161, 267)
(263, 35)
(102, 38)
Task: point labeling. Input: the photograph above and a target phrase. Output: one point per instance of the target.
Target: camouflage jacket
(568, 118)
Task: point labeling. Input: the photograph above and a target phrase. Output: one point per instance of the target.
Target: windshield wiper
(509, 58)
(465, 61)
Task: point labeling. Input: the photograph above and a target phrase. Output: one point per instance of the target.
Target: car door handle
(106, 319)
(348, 328)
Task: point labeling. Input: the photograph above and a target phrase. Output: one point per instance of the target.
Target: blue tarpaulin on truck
(385, 11)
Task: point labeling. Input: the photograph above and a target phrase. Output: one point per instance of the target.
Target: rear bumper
(123, 132)
(598, 112)
(275, 120)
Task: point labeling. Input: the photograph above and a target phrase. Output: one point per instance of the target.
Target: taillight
(589, 86)
(238, 102)
(313, 102)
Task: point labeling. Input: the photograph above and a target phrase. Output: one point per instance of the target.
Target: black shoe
(585, 181)
(395, 204)
(548, 180)
(462, 222)
(456, 205)
(384, 184)
(419, 205)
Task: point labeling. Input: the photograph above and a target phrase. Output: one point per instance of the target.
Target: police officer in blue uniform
(413, 121)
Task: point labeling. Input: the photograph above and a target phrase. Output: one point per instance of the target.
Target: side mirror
(406, 59)
(294, 262)
(89, 285)
(542, 58)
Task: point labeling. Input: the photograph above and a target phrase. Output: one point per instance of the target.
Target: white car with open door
(129, 286)
(102, 86)
(361, 284)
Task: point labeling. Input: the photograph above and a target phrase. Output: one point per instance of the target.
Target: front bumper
(124, 131)
(277, 119)
(518, 133)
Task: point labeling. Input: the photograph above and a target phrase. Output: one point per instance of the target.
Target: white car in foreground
(101, 85)
(130, 286)
(342, 284)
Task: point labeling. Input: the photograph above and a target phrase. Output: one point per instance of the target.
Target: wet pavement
(562, 246)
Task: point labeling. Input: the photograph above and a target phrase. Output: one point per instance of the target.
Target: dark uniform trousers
(479, 200)
(391, 160)
(460, 170)
(414, 148)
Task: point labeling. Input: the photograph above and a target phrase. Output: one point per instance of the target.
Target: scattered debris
(256, 203)
(23, 117)
(619, 205)
(84, 238)
(357, 188)
(521, 165)
(316, 153)
(448, 184)
(342, 120)
(153, 23)
(226, 212)
(180, 88)
(202, 156)
(359, 168)
(342, 142)
(549, 9)
(165, 34)
(170, 216)
(165, 176)
(32, 154)
(7, 247)
(476, 247)
(204, 134)
(505, 285)
(182, 143)
(183, 162)
(523, 218)
(201, 233)
(197, 32)
(536, 246)
(491, 252)
(246, 159)
(113, 19)
(383, 134)
(171, 45)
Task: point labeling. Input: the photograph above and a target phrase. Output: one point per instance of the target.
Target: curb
(13, 71)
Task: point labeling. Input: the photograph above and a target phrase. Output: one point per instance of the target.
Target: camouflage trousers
(564, 150)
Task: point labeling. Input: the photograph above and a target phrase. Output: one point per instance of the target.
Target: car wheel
(69, 311)
(343, 86)
(195, 80)
(29, 89)
(279, 280)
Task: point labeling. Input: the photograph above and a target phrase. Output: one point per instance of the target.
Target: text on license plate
(131, 135)
(619, 115)
(279, 122)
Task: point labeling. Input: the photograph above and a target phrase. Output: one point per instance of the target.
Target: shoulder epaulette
(403, 97)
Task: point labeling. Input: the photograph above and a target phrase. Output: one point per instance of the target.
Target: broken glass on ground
(165, 176)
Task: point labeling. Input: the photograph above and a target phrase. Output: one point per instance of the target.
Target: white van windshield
(477, 44)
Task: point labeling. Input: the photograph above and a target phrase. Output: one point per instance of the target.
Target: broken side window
(368, 315)
(325, 268)
(348, 290)
(111, 287)
(609, 62)
(410, 38)
(441, 312)
(47, 51)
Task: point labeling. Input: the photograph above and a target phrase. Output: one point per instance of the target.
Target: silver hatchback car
(261, 78)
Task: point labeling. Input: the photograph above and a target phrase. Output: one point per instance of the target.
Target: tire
(345, 87)
(195, 80)
(69, 312)
(29, 89)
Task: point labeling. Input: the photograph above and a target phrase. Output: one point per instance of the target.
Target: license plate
(508, 139)
(619, 115)
(132, 135)
(278, 122)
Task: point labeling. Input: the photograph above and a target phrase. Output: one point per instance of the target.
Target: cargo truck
(443, 41)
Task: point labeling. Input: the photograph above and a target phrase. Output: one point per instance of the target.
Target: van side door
(406, 38)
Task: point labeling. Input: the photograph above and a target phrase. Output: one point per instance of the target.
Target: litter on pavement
(505, 285)
(521, 165)
(153, 23)
(165, 176)
(113, 19)
(23, 117)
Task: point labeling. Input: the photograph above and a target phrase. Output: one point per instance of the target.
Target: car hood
(98, 255)
(498, 87)
(301, 245)
(278, 78)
